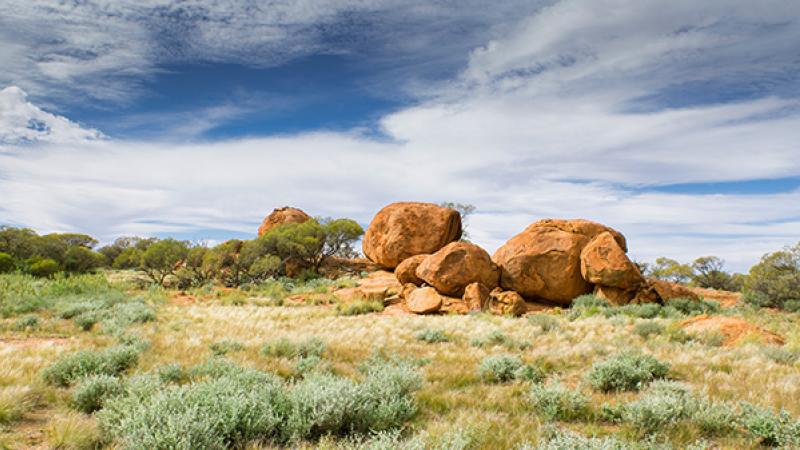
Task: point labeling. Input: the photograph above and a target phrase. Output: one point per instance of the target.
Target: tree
(311, 242)
(18, 242)
(124, 243)
(708, 273)
(775, 280)
(671, 270)
(80, 259)
(223, 262)
(162, 259)
(464, 210)
(129, 258)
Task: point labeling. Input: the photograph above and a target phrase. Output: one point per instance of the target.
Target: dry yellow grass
(453, 396)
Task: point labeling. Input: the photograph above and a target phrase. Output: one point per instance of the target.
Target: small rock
(424, 300)
(406, 271)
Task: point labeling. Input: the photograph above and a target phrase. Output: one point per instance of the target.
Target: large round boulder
(455, 266)
(280, 216)
(404, 229)
(406, 271)
(544, 261)
(604, 262)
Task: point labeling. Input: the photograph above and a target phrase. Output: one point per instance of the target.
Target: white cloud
(21, 122)
(561, 116)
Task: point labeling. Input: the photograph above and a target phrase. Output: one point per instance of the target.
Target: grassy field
(575, 378)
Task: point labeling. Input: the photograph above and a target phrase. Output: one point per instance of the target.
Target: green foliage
(86, 321)
(225, 346)
(692, 307)
(781, 355)
(81, 259)
(233, 406)
(7, 263)
(27, 323)
(286, 348)
(500, 368)
(71, 368)
(161, 259)
(648, 328)
(92, 392)
(663, 405)
(770, 428)
(431, 336)
(708, 273)
(544, 321)
(129, 258)
(312, 241)
(775, 280)
(556, 439)
(172, 373)
(554, 401)
(626, 371)
(357, 307)
(497, 337)
(44, 267)
(671, 270)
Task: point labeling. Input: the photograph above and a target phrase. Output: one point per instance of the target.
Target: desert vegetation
(286, 341)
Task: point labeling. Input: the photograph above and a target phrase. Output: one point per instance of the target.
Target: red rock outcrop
(455, 266)
(406, 271)
(402, 230)
(280, 216)
(604, 262)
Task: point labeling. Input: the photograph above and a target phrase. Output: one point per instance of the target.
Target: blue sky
(676, 123)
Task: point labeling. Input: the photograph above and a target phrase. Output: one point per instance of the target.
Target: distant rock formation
(280, 216)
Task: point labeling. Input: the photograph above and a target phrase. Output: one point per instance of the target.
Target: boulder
(407, 289)
(406, 271)
(452, 305)
(583, 227)
(424, 300)
(280, 216)
(506, 303)
(615, 296)
(543, 263)
(455, 266)
(402, 230)
(377, 286)
(604, 262)
(476, 297)
(667, 291)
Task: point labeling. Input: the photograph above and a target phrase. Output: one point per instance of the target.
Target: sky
(677, 123)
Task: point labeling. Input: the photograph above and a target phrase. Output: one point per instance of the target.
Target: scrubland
(91, 363)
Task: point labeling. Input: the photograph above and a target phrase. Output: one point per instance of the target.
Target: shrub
(499, 369)
(792, 306)
(556, 402)
(431, 336)
(771, 429)
(27, 323)
(86, 321)
(662, 405)
(626, 371)
(43, 268)
(647, 329)
(234, 406)
(93, 391)
(544, 321)
(781, 355)
(359, 307)
(71, 368)
(286, 348)
(307, 364)
(7, 263)
(692, 307)
(161, 259)
(172, 373)
(556, 439)
(225, 346)
(497, 337)
(133, 312)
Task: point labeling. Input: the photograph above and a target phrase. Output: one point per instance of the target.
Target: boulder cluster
(551, 261)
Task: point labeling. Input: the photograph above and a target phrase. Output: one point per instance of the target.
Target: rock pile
(551, 261)
(280, 216)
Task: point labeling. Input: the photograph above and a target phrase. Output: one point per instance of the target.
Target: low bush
(27, 323)
(661, 406)
(92, 392)
(626, 371)
(71, 368)
(233, 406)
(499, 369)
(555, 402)
(781, 355)
(770, 428)
(172, 373)
(358, 307)
(544, 321)
(690, 307)
(557, 439)
(286, 348)
(86, 321)
(225, 346)
(647, 329)
(431, 336)
(497, 337)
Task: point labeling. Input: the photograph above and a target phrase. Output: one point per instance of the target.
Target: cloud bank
(577, 109)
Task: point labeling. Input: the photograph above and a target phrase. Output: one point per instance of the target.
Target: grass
(358, 307)
(320, 360)
(626, 371)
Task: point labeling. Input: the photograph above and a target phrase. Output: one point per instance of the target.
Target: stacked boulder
(551, 261)
(280, 216)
